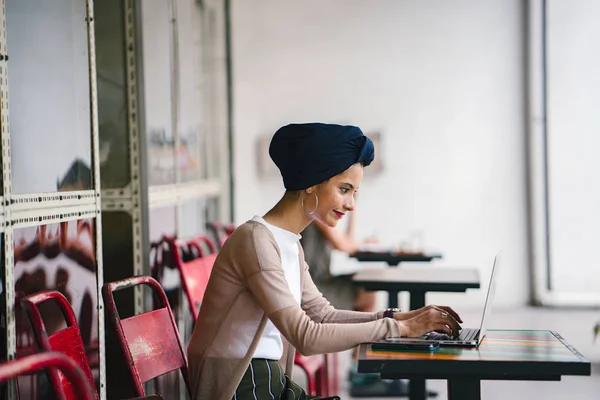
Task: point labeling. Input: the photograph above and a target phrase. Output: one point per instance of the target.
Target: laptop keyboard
(466, 335)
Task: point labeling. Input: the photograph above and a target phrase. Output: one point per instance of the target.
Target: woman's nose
(350, 206)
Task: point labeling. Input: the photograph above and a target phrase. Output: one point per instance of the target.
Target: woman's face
(336, 196)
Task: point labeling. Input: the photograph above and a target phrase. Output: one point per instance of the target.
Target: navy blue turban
(308, 154)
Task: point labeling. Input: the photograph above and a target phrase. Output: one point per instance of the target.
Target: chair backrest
(52, 362)
(198, 242)
(160, 256)
(228, 228)
(221, 231)
(150, 341)
(67, 341)
(195, 273)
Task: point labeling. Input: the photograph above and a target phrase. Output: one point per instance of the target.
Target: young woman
(261, 303)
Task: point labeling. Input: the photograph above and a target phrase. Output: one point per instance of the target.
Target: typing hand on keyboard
(427, 319)
(438, 336)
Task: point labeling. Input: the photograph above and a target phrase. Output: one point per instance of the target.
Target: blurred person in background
(318, 241)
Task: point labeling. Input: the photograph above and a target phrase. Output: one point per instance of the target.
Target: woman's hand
(428, 319)
(403, 316)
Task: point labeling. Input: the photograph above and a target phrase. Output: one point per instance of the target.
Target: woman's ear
(311, 189)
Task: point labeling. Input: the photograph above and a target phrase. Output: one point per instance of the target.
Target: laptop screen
(489, 300)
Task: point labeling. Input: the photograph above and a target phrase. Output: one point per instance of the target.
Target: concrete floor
(574, 325)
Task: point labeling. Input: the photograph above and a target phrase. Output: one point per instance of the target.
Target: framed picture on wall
(266, 167)
(377, 164)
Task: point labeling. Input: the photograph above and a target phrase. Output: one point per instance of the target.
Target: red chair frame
(147, 354)
(222, 231)
(315, 368)
(158, 252)
(196, 241)
(195, 274)
(67, 341)
(52, 362)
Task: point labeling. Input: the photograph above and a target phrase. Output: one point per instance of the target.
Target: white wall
(442, 81)
(573, 143)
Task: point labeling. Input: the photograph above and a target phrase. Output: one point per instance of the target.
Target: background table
(503, 355)
(393, 258)
(417, 281)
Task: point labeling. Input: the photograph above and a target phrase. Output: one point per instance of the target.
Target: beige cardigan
(247, 286)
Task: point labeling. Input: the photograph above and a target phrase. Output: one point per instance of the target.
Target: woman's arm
(259, 261)
(321, 311)
(338, 239)
(309, 337)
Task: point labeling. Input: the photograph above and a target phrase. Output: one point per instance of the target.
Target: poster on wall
(161, 157)
(58, 257)
(188, 159)
(377, 165)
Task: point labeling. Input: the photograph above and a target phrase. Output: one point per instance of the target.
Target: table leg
(464, 389)
(416, 389)
(417, 386)
(393, 299)
(417, 299)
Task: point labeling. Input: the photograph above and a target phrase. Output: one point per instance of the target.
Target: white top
(270, 345)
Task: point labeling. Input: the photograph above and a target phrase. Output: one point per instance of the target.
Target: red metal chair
(25, 341)
(199, 240)
(56, 364)
(196, 272)
(67, 341)
(221, 231)
(228, 228)
(315, 368)
(150, 341)
(160, 256)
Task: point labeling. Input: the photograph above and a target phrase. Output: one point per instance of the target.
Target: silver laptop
(471, 337)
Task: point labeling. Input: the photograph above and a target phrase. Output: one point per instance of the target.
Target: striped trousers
(265, 380)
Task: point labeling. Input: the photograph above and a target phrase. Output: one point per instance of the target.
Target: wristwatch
(389, 313)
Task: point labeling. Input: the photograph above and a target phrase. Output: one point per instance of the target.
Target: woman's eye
(345, 190)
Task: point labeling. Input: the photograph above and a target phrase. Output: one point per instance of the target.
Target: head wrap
(308, 154)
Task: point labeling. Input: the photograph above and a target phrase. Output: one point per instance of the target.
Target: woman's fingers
(450, 311)
(441, 327)
(452, 322)
(435, 318)
(439, 316)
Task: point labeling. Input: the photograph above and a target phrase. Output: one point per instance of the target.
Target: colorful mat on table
(497, 345)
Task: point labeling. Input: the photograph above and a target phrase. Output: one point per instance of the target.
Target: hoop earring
(316, 205)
